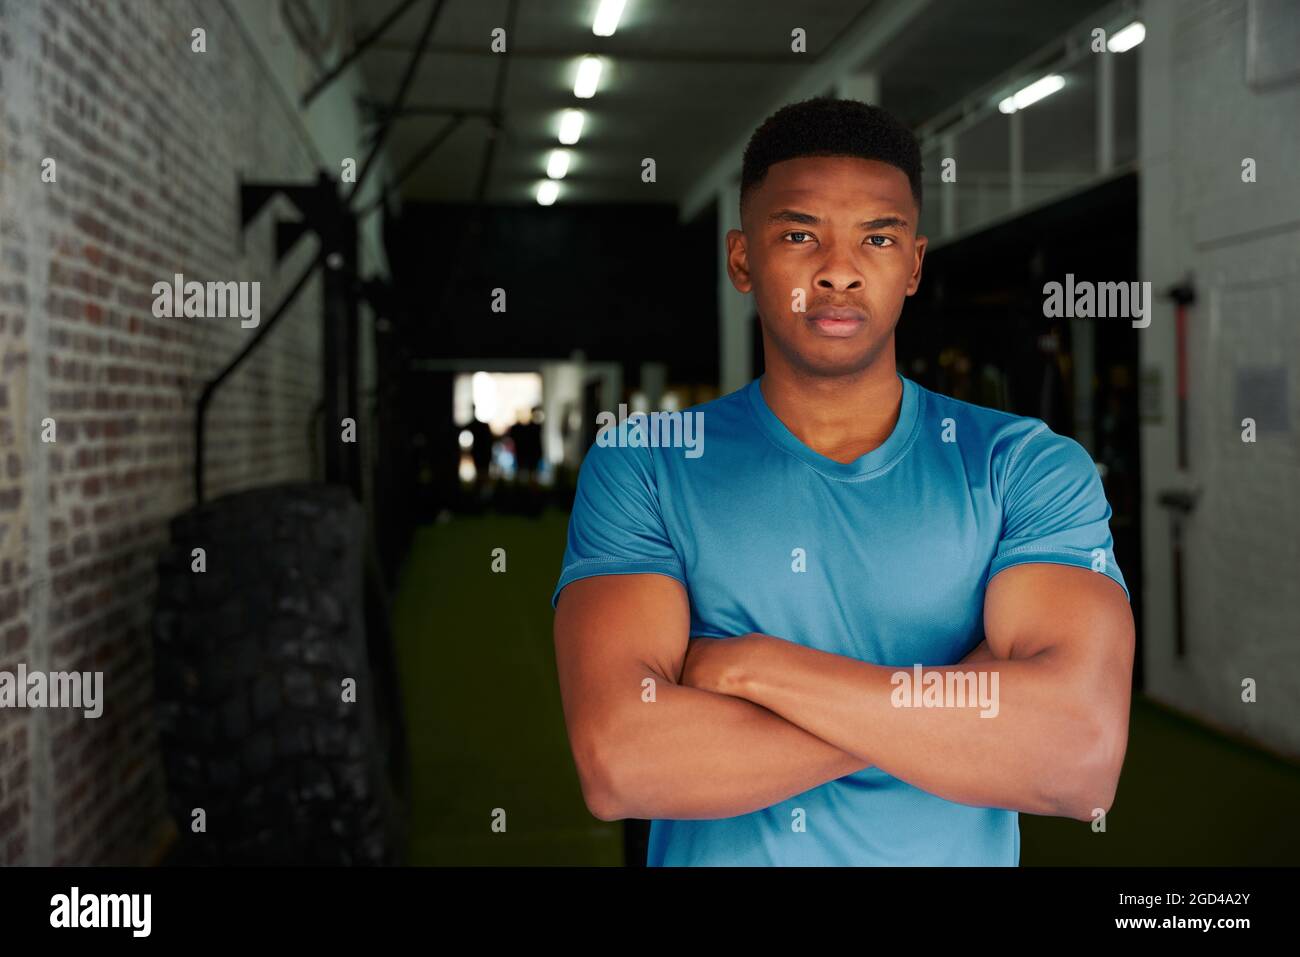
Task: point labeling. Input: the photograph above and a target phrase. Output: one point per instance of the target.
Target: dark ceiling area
(683, 80)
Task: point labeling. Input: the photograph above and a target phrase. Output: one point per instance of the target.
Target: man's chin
(835, 363)
(827, 356)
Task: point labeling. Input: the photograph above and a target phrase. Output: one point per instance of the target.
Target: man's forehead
(869, 182)
(830, 204)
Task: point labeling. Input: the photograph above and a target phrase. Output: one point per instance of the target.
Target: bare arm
(689, 753)
(1061, 646)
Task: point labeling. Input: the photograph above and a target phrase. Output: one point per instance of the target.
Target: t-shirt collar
(873, 463)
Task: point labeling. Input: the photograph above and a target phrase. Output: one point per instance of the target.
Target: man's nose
(839, 274)
(839, 270)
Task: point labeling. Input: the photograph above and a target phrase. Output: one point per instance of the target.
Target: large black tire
(250, 657)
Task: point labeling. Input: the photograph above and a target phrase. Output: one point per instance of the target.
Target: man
(909, 624)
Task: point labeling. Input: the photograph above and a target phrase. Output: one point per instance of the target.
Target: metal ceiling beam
(399, 100)
(1065, 48)
(884, 21)
(631, 54)
(417, 160)
(376, 111)
(497, 121)
(362, 44)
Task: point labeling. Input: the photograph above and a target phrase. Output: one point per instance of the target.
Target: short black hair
(823, 126)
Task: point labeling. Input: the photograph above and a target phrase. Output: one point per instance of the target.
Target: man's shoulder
(987, 418)
(996, 426)
(640, 436)
(1007, 440)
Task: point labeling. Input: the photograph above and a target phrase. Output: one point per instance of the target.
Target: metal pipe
(206, 396)
(362, 45)
(398, 101)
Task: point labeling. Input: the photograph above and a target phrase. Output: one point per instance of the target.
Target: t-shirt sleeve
(616, 527)
(1054, 508)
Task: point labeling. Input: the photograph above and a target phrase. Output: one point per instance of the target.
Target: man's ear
(738, 261)
(915, 281)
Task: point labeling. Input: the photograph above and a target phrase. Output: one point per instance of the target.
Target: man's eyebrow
(808, 219)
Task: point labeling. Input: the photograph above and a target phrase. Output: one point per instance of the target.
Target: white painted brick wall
(151, 140)
(1199, 119)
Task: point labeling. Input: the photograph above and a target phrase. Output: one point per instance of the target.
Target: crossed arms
(665, 727)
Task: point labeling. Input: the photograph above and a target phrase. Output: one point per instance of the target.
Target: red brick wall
(150, 140)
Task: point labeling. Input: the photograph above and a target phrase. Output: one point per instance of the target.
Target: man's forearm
(699, 754)
(1016, 759)
(694, 754)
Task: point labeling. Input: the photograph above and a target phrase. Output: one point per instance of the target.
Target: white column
(1083, 339)
(948, 191)
(25, 210)
(1164, 253)
(1017, 149)
(654, 376)
(859, 86)
(1105, 111)
(735, 336)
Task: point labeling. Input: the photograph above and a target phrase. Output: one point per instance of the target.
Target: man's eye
(797, 233)
(888, 241)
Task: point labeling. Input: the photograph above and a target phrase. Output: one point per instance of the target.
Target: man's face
(822, 232)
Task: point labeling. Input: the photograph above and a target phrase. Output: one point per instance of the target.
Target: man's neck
(841, 418)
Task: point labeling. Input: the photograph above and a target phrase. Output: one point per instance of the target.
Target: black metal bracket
(321, 211)
(1180, 503)
(330, 216)
(324, 212)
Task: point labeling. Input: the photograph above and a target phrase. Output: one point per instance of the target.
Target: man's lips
(836, 320)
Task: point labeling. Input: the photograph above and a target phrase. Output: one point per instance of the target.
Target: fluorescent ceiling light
(1128, 38)
(571, 126)
(547, 190)
(1032, 93)
(558, 164)
(607, 15)
(588, 78)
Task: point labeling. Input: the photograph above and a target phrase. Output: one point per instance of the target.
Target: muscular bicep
(611, 633)
(1076, 625)
(1073, 612)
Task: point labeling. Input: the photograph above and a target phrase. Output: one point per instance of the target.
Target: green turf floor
(487, 732)
(483, 707)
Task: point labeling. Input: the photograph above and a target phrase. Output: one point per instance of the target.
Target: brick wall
(1201, 116)
(150, 140)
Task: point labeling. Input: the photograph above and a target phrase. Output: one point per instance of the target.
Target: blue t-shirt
(897, 548)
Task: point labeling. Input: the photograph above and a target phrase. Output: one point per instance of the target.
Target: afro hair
(829, 127)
